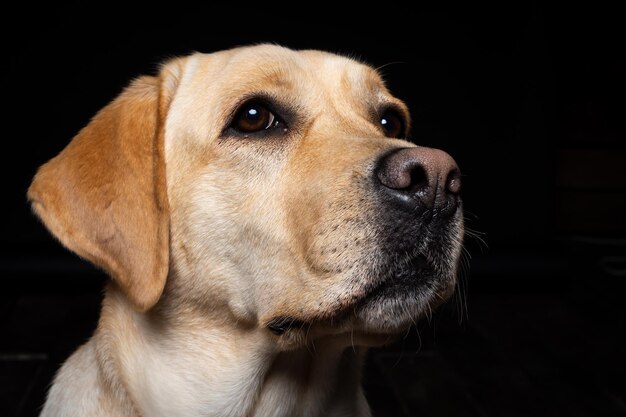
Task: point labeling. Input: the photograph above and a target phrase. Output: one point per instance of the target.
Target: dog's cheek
(233, 238)
(200, 238)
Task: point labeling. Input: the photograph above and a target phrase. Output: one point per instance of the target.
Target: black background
(528, 99)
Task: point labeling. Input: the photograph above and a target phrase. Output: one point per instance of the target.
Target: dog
(263, 220)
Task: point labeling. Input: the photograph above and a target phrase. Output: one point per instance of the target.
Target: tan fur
(104, 196)
(209, 237)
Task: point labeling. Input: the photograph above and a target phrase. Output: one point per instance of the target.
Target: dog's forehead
(212, 86)
(274, 67)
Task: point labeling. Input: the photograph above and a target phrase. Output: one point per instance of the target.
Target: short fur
(242, 267)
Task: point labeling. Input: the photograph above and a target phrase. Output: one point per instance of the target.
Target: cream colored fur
(208, 237)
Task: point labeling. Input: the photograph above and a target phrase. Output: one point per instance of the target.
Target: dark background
(529, 100)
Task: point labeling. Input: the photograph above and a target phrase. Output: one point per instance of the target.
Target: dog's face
(284, 205)
(265, 185)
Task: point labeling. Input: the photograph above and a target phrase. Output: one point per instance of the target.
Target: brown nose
(421, 178)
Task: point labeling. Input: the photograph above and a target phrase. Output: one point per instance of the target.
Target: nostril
(403, 172)
(397, 175)
(419, 179)
(453, 182)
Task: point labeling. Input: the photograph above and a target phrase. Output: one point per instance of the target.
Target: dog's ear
(104, 196)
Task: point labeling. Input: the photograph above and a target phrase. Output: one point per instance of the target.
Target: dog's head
(271, 185)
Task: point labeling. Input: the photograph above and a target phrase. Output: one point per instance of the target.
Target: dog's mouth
(404, 289)
(410, 288)
(400, 278)
(388, 288)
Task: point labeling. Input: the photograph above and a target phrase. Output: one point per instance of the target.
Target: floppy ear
(104, 196)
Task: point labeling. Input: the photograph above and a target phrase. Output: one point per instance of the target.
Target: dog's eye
(254, 117)
(392, 124)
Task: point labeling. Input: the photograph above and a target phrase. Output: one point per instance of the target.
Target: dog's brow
(276, 79)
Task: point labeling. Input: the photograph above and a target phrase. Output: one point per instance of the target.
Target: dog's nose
(421, 178)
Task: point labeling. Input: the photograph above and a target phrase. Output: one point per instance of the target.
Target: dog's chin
(404, 296)
(394, 301)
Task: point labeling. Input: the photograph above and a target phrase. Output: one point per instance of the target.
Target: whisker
(467, 213)
(463, 285)
(478, 238)
(389, 64)
(352, 340)
(419, 340)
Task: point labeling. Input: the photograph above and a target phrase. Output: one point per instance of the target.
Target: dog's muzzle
(419, 230)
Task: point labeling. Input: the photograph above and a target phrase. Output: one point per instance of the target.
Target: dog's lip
(403, 283)
(405, 275)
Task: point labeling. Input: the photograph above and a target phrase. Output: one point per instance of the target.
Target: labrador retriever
(263, 221)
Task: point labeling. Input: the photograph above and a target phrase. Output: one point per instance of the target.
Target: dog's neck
(208, 367)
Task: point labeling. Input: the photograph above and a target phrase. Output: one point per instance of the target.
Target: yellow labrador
(263, 222)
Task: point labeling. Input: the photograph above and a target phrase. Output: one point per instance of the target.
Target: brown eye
(392, 124)
(254, 117)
